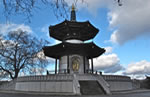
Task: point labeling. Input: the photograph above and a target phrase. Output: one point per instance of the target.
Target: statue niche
(75, 64)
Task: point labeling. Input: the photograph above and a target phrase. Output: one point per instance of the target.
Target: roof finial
(73, 13)
(73, 7)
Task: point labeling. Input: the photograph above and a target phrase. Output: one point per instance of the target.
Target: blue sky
(124, 32)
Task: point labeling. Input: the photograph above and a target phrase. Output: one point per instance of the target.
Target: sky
(124, 32)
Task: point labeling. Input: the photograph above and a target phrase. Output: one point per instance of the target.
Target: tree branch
(7, 72)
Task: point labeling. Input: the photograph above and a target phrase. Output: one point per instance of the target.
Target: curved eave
(84, 30)
(90, 50)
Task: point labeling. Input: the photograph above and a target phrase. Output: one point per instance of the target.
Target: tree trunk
(16, 73)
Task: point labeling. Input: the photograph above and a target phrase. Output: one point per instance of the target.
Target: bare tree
(119, 2)
(25, 7)
(19, 51)
(3, 75)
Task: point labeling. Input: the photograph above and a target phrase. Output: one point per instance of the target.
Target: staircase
(90, 88)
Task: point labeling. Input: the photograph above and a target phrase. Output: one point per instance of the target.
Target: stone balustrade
(116, 78)
(51, 77)
(53, 83)
(69, 83)
(10, 85)
(118, 83)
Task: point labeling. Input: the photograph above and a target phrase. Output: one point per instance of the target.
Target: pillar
(92, 65)
(56, 66)
(68, 70)
(84, 64)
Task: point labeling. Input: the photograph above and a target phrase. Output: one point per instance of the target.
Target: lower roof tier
(90, 50)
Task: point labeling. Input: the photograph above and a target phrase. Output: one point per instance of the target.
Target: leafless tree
(19, 51)
(3, 75)
(25, 7)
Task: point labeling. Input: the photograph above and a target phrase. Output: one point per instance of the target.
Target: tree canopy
(20, 52)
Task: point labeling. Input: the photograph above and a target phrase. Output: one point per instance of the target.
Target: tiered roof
(72, 29)
(90, 50)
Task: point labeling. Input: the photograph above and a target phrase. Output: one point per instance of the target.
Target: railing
(67, 71)
(104, 84)
(116, 77)
(136, 84)
(93, 72)
(51, 77)
(76, 84)
(62, 71)
(10, 85)
(109, 77)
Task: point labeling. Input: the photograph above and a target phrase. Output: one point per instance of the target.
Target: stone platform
(70, 84)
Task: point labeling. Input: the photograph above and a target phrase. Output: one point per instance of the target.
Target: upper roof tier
(73, 30)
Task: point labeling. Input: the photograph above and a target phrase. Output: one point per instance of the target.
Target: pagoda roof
(73, 30)
(90, 50)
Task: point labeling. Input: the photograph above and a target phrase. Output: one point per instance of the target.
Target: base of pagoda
(70, 84)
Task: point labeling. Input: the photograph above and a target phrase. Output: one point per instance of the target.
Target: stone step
(91, 88)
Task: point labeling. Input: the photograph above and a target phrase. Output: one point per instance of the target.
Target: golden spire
(73, 13)
(73, 7)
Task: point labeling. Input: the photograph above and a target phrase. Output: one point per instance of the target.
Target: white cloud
(38, 71)
(91, 5)
(130, 20)
(142, 67)
(5, 28)
(22, 74)
(44, 29)
(108, 50)
(108, 63)
(42, 56)
(138, 70)
(139, 76)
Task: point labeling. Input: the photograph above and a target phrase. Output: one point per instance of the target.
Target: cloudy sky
(124, 32)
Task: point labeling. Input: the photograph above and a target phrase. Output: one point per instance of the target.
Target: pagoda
(74, 76)
(73, 53)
